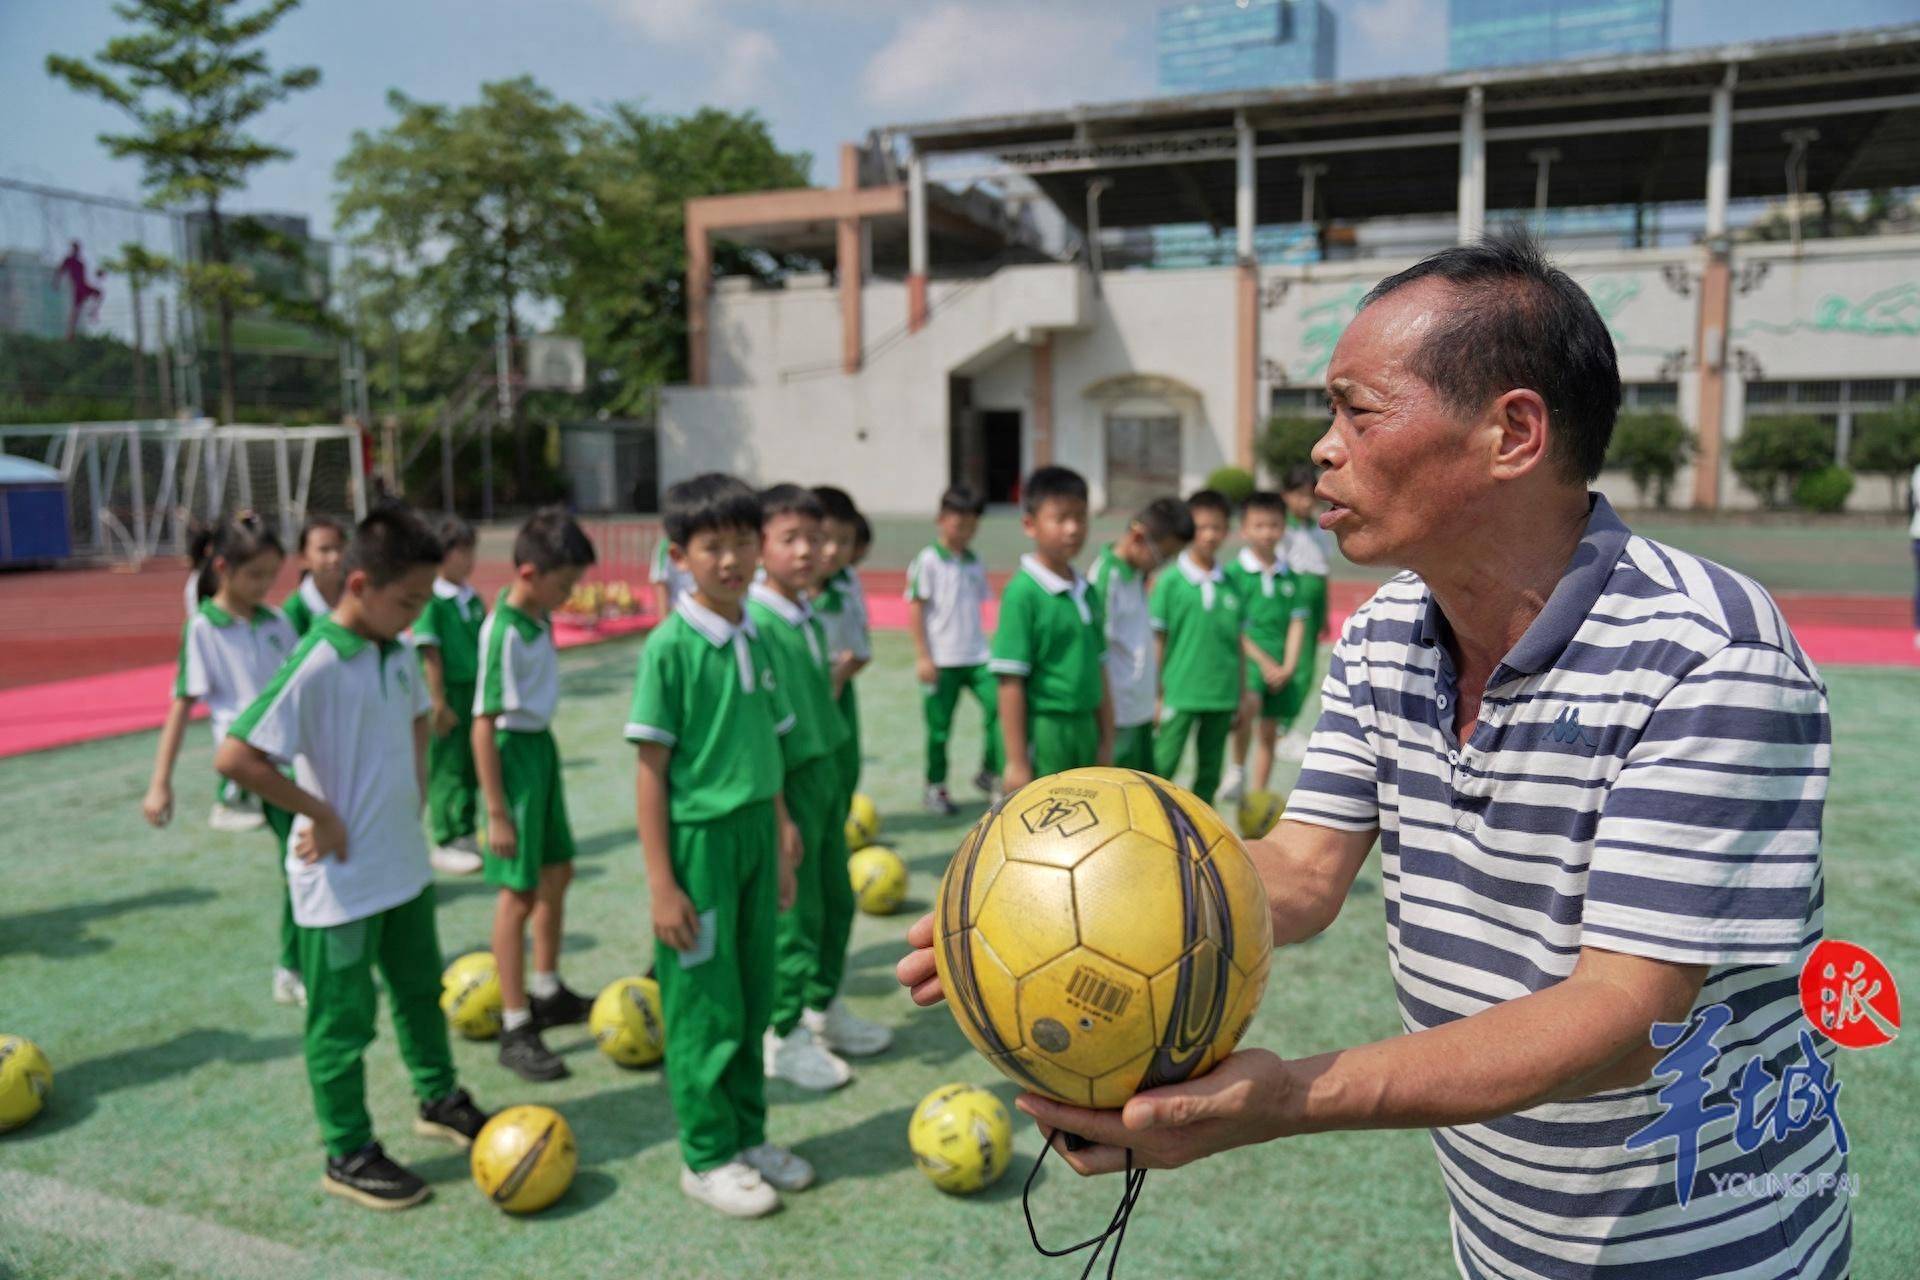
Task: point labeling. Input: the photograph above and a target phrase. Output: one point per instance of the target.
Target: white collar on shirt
(1266, 572)
(720, 633)
(1201, 578)
(1057, 585)
(310, 592)
(460, 591)
(794, 612)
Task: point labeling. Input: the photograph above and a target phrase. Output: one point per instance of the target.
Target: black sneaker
(527, 1056)
(988, 781)
(369, 1178)
(560, 1009)
(453, 1117)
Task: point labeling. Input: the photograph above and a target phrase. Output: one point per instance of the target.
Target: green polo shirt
(706, 690)
(451, 623)
(797, 647)
(1267, 591)
(1202, 616)
(1053, 635)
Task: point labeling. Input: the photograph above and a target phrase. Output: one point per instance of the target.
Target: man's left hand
(1250, 1097)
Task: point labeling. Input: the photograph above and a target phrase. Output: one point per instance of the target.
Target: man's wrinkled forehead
(1384, 336)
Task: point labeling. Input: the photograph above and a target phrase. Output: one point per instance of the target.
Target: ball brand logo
(1849, 995)
(1053, 814)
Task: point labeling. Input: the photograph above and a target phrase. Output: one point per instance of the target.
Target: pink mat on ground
(63, 712)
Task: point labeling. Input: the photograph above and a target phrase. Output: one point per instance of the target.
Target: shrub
(1235, 482)
(1773, 453)
(1650, 447)
(1288, 442)
(1824, 490)
(1888, 444)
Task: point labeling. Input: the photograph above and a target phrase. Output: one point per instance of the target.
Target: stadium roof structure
(1622, 130)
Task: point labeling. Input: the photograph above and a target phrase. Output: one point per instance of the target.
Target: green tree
(1651, 447)
(482, 204)
(1888, 444)
(625, 290)
(1772, 454)
(1288, 442)
(191, 75)
(140, 267)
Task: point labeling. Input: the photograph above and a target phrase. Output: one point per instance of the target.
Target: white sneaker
(779, 1166)
(226, 817)
(938, 801)
(735, 1189)
(842, 1032)
(1232, 782)
(1292, 747)
(801, 1060)
(288, 988)
(450, 859)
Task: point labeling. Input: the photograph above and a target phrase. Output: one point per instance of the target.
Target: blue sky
(822, 71)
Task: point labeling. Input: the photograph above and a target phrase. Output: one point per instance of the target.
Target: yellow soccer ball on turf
(26, 1081)
(627, 1023)
(1101, 932)
(961, 1138)
(470, 995)
(879, 880)
(1258, 812)
(524, 1158)
(863, 822)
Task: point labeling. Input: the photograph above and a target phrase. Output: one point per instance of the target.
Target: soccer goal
(134, 488)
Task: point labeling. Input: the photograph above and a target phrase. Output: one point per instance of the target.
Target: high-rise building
(1502, 33)
(1209, 46)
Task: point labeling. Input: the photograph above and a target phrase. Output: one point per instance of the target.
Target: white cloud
(1389, 31)
(746, 66)
(669, 21)
(741, 59)
(970, 57)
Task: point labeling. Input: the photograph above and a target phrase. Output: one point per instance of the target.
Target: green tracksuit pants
(453, 788)
(1209, 729)
(813, 932)
(937, 702)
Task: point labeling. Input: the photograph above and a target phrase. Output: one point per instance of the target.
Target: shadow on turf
(446, 890)
(78, 1086)
(61, 933)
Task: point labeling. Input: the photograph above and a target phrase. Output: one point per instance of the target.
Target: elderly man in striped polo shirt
(1595, 766)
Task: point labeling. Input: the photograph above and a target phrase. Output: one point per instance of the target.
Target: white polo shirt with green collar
(952, 590)
(519, 680)
(225, 662)
(341, 712)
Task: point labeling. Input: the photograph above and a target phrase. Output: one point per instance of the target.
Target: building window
(1649, 396)
(1835, 402)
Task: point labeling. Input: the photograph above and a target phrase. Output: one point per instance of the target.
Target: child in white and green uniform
(230, 649)
(721, 852)
(321, 550)
(1199, 618)
(448, 638)
(1277, 621)
(1304, 548)
(1120, 573)
(347, 713)
(946, 593)
(842, 607)
(529, 841)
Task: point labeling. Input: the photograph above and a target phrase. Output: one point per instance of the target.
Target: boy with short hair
(1050, 646)
(1304, 548)
(348, 712)
(946, 592)
(1198, 617)
(1275, 625)
(447, 637)
(1120, 574)
(529, 840)
(811, 1026)
(842, 606)
(721, 852)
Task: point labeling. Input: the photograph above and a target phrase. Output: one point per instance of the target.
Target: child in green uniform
(946, 593)
(448, 638)
(1198, 617)
(707, 715)
(1055, 710)
(230, 649)
(1304, 548)
(842, 606)
(322, 548)
(348, 713)
(1276, 627)
(1120, 575)
(529, 840)
(811, 1025)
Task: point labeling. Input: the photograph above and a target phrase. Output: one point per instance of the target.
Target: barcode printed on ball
(1090, 988)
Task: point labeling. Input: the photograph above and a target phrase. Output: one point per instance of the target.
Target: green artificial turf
(180, 1141)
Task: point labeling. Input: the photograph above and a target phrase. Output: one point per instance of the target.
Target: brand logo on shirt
(1566, 727)
(1849, 995)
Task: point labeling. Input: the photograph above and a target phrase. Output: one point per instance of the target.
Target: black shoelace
(1116, 1232)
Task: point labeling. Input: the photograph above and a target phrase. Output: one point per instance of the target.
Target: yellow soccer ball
(26, 1081)
(863, 822)
(470, 995)
(524, 1159)
(1258, 812)
(1101, 932)
(961, 1138)
(627, 1023)
(879, 880)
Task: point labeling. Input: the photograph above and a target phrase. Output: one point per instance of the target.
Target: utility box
(34, 526)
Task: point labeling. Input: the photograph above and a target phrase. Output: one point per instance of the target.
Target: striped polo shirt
(1646, 776)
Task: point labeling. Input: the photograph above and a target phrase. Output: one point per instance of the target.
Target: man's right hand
(916, 971)
(675, 922)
